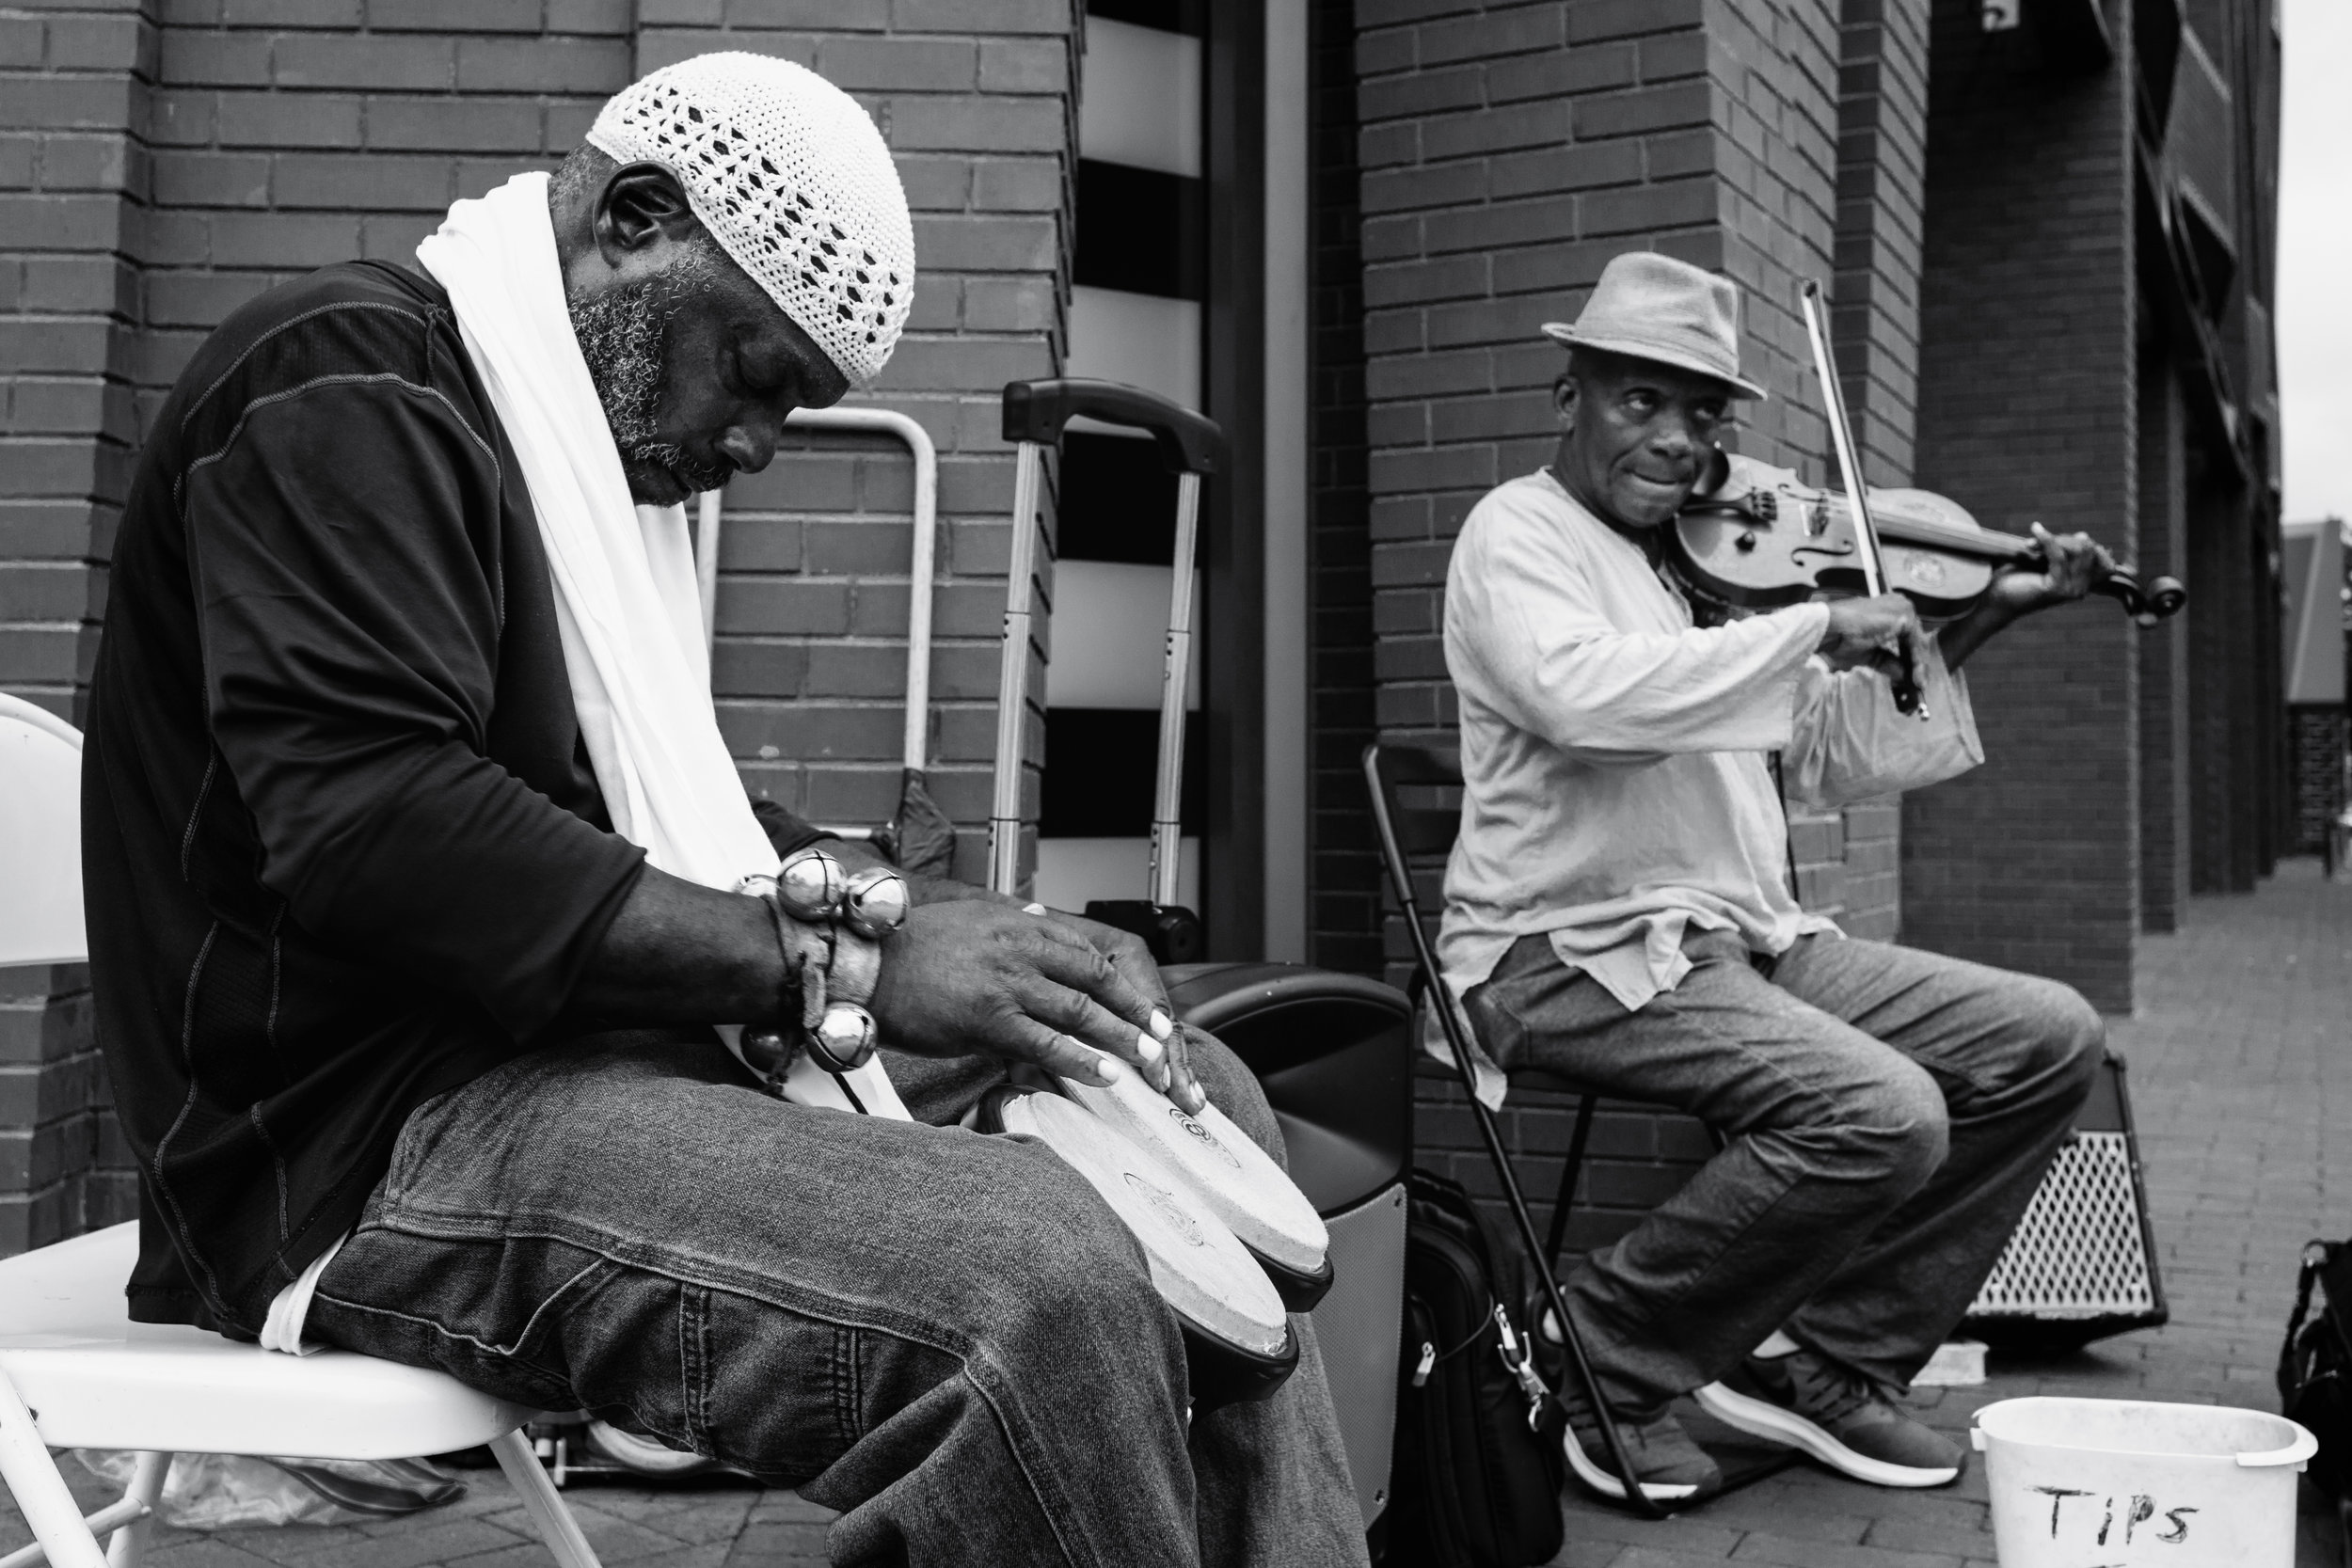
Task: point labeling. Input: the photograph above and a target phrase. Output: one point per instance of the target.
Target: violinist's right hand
(1873, 633)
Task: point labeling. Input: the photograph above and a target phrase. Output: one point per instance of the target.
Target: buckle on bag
(1520, 1364)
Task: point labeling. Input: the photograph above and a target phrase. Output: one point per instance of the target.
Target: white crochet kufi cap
(794, 182)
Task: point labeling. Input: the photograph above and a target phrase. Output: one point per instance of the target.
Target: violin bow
(1907, 696)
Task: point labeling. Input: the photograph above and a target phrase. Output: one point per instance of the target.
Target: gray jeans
(1890, 1113)
(947, 1337)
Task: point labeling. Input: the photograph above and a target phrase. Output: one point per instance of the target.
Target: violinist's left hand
(2072, 563)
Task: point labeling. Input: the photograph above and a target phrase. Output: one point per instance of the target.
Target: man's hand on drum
(976, 974)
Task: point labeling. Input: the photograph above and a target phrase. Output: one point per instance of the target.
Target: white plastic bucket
(2122, 1483)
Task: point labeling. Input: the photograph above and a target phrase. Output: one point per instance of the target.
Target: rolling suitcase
(1191, 446)
(1332, 1051)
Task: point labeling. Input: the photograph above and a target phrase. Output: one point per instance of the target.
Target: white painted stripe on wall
(1110, 636)
(1138, 339)
(1069, 871)
(1139, 96)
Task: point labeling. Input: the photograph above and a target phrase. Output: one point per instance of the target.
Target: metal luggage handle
(1035, 412)
(1190, 445)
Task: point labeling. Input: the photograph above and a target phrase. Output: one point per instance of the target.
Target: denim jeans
(949, 1337)
(1890, 1113)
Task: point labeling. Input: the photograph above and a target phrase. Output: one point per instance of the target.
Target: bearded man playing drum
(1617, 912)
(399, 735)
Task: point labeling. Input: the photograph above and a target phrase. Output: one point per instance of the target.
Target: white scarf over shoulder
(624, 574)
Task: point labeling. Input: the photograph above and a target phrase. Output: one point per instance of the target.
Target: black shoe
(1802, 1401)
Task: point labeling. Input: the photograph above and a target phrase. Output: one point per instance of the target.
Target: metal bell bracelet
(875, 901)
(844, 1039)
(810, 884)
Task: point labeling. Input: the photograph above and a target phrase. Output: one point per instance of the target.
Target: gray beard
(622, 333)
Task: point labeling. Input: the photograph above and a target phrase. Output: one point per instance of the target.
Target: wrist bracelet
(827, 928)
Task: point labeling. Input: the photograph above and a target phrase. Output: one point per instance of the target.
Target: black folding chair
(1417, 805)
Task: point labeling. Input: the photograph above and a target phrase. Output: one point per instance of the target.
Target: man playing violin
(1618, 912)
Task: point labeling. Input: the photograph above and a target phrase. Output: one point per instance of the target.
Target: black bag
(1478, 1467)
(2316, 1364)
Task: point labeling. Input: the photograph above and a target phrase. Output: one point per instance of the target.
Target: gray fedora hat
(1652, 307)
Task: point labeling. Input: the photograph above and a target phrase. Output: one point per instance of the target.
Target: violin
(1756, 537)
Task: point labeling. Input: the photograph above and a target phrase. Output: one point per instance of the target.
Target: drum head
(1230, 1176)
(1201, 1271)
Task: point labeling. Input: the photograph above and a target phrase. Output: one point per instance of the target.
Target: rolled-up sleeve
(347, 592)
(1524, 627)
(1849, 741)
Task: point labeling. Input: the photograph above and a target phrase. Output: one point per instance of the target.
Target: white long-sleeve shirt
(1615, 754)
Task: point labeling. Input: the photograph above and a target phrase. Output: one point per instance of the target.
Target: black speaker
(2082, 1263)
(1334, 1052)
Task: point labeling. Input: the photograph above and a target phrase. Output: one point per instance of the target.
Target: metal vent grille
(2079, 1252)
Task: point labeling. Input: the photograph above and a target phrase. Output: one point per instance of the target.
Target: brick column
(74, 92)
(2026, 410)
(978, 103)
(2164, 679)
(1344, 876)
(1881, 198)
(76, 84)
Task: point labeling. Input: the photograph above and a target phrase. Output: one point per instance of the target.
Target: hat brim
(1567, 336)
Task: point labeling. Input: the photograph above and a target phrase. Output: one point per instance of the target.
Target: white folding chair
(75, 1372)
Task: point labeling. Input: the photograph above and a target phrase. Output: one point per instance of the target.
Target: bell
(809, 885)
(875, 901)
(766, 1052)
(843, 1040)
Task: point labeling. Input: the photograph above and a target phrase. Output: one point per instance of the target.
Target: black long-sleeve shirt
(343, 847)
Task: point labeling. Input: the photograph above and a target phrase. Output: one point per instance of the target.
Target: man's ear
(642, 204)
(1563, 392)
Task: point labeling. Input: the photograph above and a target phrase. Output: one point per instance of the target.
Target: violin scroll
(2160, 599)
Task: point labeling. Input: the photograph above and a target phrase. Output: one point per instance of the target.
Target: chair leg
(557, 1526)
(149, 1472)
(39, 1492)
(1566, 1199)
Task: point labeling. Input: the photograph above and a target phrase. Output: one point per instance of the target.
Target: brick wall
(2316, 734)
(1774, 71)
(1881, 196)
(75, 101)
(63, 1168)
(2028, 410)
(2235, 594)
(290, 135)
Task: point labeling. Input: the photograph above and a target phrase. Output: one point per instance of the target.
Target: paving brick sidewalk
(2239, 1076)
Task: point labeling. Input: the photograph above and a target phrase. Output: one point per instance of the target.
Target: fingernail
(1149, 1048)
(1161, 1027)
(1032, 909)
(1108, 1067)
